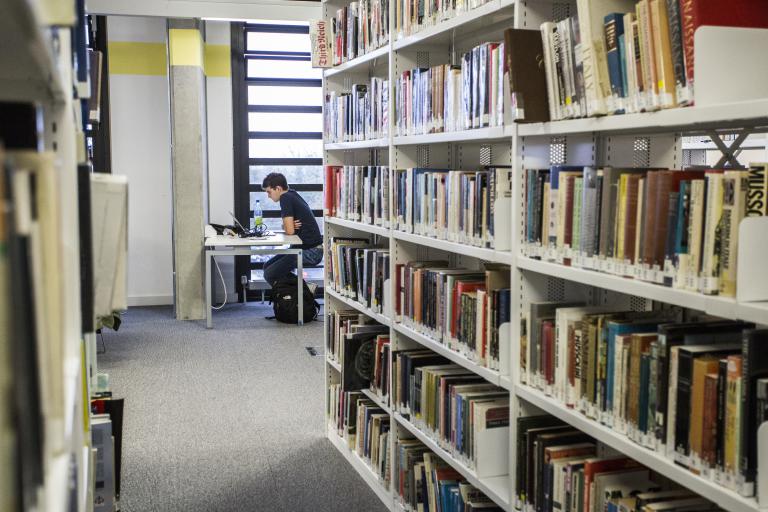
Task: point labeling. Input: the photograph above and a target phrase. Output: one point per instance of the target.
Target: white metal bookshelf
(460, 149)
(357, 144)
(362, 308)
(36, 67)
(651, 139)
(491, 376)
(358, 226)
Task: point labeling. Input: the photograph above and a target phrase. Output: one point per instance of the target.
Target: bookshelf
(36, 69)
(653, 139)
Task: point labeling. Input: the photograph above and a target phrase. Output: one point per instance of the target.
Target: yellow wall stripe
(186, 47)
(217, 60)
(130, 58)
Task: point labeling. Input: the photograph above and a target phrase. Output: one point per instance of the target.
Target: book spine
(757, 199)
(734, 196)
(614, 29)
(722, 380)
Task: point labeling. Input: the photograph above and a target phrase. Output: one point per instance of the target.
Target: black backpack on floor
(285, 303)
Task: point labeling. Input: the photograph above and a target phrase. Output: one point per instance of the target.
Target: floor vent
(315, 351)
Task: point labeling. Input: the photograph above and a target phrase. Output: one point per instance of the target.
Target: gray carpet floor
(228, 419)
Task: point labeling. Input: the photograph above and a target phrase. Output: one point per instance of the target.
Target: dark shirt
(293, 205)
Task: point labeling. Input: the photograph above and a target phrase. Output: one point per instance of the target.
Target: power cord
(222, 284)
(104, 345)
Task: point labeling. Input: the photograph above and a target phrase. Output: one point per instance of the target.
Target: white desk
(221, 245)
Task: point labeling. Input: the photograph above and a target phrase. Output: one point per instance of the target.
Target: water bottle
(257, 215)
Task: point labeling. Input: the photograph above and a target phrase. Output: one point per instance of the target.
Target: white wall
(220, 157)
(140, 126)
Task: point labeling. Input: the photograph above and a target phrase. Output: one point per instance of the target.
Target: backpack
(285, 303)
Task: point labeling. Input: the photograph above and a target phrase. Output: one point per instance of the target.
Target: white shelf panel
(356, 305)
(355, 64)
(360, 226)
(465, 23)
(334, 364)
(725, 307)
(73, 390)
(477, 135)
(491, 376)
(491, 255)
(753, 312)
(726, 498)
(497, 488)
(57, 483)
(28, 72)
(358, 144)
(85, 477)
(688, 119)
(362, 468)
(377, 400)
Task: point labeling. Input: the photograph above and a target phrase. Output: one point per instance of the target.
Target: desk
(221, 245)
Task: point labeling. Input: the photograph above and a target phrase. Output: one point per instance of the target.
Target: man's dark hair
(274, 180)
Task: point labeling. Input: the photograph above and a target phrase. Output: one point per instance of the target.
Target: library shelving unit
(36, 71)
(647, 139)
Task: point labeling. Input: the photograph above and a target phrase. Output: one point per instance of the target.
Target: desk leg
(208, 320)
(300, 280)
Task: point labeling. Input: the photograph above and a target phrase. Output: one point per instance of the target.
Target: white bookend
(752, 279)
(721, 53)
(491, 438)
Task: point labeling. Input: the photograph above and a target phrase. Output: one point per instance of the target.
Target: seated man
(297, 220)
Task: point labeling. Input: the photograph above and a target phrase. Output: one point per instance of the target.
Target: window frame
(240, 56)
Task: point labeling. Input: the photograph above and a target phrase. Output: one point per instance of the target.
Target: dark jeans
(283, 264)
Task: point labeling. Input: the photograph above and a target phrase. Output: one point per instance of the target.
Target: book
(104, 487)
(527, 80)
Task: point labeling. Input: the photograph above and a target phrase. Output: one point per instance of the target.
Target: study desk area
(222, 245)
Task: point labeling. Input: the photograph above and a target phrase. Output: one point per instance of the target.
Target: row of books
(460, 206)
(360, 114)
(624, 56)
(411, 16)
(359, 28)
(467, 416)
(562, 469)
(424, 482)
(446, 98)
(359, 271)
(358, 192)
(677, 228)
(346, 332)
(686, 390)
(466, 310)
(364, 426)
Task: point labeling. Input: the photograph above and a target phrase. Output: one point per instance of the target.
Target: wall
(220, 157)
(140, 125)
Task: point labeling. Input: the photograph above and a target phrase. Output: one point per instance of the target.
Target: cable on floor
(222, 284)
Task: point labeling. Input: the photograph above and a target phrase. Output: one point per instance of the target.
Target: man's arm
(288, 226)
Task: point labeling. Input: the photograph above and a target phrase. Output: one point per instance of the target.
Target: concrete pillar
(189, 163)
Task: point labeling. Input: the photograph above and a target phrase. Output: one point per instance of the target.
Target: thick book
(527, 79)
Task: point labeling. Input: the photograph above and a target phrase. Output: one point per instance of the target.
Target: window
(278, 123)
